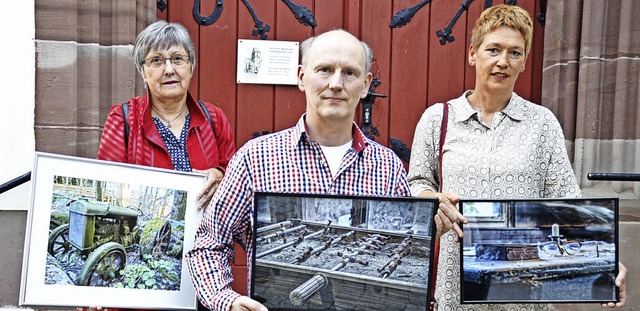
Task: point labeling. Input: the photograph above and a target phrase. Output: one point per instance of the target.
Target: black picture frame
(393, 236)
(546, 251)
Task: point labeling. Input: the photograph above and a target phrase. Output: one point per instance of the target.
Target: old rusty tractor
(101, 233)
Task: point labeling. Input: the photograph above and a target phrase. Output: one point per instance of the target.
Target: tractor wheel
(162, 239)
(59, 243)
(102, 265)
(155, 238)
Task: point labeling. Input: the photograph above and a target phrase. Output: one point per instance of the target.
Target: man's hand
(621, 281)
(244, 303)
(448, 216)
(214, 177)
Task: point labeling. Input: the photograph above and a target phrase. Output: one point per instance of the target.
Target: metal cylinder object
(303, 292)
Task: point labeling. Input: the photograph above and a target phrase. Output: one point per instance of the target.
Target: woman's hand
(621, 281)
(448, 216)
(214, 177)
(244, 303)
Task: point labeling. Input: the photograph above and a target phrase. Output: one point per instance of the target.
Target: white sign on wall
(267, 62)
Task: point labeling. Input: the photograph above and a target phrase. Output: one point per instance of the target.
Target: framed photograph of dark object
(329, 252)
(546, 250)
(109, 234)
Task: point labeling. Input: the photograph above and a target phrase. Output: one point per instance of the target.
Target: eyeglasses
(554, 248)
(561, 247)
(157, 61)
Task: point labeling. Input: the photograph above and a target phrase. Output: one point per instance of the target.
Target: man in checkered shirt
(324, 153)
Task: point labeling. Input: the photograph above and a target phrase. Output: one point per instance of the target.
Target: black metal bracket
(404, 16)
(368, 129)
(400, 149)
(161, 5)
(212, 18)
(258, 134)
(259, 28)
(301, 13)
(487, 4)
(543, 12)
(445, 34)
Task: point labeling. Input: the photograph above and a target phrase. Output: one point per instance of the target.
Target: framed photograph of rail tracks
(331, 252)
(539, 251)
(109, 234)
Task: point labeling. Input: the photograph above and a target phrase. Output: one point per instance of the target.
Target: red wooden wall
(415, 69)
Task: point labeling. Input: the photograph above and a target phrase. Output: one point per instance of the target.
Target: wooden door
(414, 68)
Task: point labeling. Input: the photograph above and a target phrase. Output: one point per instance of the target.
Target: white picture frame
(113, 207)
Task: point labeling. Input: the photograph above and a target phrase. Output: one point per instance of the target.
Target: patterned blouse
(177, 147)
(522, 154)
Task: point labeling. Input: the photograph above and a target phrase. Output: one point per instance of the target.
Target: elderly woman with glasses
(166, 127)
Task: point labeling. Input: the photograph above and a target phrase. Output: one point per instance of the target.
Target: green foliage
(154, 274)
(177, 241)
(60, 219)
(176, 250)
(150, 229)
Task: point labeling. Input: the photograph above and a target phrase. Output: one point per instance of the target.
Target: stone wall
(83, 63)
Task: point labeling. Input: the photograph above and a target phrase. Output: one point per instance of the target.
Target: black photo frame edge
(616, 224)
(254, 206)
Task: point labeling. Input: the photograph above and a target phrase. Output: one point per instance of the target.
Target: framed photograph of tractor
(539, 251)
(331, 252)
(109, 234)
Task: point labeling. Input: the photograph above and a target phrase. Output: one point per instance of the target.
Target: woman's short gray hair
(161, 36)
(368, 53)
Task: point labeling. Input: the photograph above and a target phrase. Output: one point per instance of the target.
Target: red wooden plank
(376, 32)
(254, 101)
(217, 59)
(180, 13)
(239, 284)
(523, 85)
(353, 16)
(409, 63)
(161, 15)
(446, 62)
(328, 16)
(470, 72)
(289, 101)
(537, 57)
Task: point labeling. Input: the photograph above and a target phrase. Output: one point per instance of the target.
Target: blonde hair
(503, 15)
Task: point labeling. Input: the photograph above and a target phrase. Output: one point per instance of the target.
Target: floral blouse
(522, 154)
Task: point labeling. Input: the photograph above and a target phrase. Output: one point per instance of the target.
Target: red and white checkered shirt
(287, 161)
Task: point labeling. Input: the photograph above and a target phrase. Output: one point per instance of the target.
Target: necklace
(169, 121)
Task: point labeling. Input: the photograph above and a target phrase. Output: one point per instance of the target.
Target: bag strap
(436, 247)
(443, 134)
(125, 114)
(206, 114)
